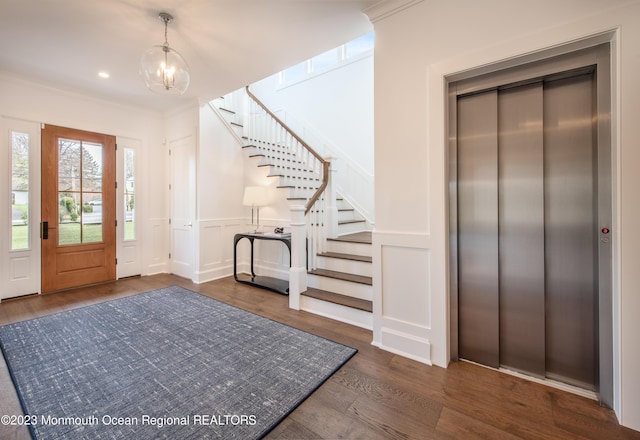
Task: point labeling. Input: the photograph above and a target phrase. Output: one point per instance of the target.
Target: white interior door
(183, 206)
(19, 208)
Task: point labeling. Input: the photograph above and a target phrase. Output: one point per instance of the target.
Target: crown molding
(387, 8)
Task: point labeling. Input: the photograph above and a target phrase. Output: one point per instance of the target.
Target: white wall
(333, 112)
(39, 103)
(416, 49)
(221, 184)
(223, 171)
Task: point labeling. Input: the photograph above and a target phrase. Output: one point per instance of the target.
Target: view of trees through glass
(129, 193)
(19, 191)
(79, 192)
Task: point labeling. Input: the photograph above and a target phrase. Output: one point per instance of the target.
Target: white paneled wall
(403, 311)
(411, 159)
(157, 247)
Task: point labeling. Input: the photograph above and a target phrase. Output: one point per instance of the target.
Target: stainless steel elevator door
(478, 227)
(571, 234)
(521, 229)
(526, 207)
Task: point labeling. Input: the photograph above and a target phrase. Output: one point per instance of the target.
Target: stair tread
(352, 257)
(337, 298)
(357, 237)
(360, 279)
(347, 222)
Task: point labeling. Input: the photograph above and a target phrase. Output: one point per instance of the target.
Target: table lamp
(255, 196)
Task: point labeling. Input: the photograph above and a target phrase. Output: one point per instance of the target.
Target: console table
(274, 284)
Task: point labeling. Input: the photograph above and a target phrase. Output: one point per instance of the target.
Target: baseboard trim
(403, 344)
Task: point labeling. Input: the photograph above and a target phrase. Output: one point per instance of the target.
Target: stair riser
(345, 247)
(350, 228)
(338, 312)
(273, 151)
(355, 290)
(229, 117)
(277, 149)
(347, 266)
(303, 182)
(348, 215)
(299, 192)
(293, 174)
(267, 160)
(250, 150)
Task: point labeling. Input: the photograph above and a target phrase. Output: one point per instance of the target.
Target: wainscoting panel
(216, 248)
(210, 256)
(406, 280)
(403, 314)
(157, 235)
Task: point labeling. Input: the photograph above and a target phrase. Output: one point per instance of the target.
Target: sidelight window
(19, 190)
(129, 194)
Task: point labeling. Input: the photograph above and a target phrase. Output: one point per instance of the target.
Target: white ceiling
(227, 43)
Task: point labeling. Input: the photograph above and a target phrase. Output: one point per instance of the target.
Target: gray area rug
(170, 363)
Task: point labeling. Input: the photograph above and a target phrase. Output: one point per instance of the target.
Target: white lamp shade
(255, 196)
(164, 70)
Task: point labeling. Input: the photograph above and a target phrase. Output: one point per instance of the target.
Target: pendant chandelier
(162, 68)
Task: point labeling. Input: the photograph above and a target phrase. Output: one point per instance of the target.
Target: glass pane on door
(129, 194)
(19, 191)
(91, 192)
(79, 192)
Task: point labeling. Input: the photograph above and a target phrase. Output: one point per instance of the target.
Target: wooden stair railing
(279, 132)
(297, 161)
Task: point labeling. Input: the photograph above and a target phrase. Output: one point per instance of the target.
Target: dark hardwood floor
(376, 395)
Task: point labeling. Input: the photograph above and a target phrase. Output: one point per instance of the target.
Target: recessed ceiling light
(103, 74)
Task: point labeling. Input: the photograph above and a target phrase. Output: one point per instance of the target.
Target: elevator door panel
(526, 204)
(571, 232)
(521, 229)
(478, 228)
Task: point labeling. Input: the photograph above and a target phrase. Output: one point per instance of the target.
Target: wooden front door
(78, 208)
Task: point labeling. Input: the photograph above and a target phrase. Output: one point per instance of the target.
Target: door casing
(598, 56)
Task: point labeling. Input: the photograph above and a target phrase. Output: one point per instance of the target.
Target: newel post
(298, 270)
(331, 204)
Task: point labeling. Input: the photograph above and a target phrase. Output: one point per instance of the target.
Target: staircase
(341, 286)
(339, 278)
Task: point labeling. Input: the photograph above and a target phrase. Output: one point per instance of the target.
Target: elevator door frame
(567, 64)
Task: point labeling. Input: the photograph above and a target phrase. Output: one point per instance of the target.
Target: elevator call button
(605, 230)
